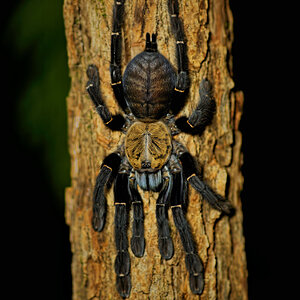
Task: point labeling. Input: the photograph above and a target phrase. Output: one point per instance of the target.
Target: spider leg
(122, 261)
(137, 241)
(192, 260)
(116, 51)
(165, 242)
(203, 114)
(190, 173)
(182, 83)
(108, 169)
(114, 122)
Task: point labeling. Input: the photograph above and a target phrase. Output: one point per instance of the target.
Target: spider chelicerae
(151, 93)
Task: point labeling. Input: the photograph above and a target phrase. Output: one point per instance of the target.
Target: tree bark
(208, 27)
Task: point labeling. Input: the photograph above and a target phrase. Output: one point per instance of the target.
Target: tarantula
(151, 93)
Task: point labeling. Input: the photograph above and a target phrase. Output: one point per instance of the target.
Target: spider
(151, 93)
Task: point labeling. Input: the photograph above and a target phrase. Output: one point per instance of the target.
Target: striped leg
(122, 262)
(192, 260)
(191, 174)
(137, 241)
(165, 242)
(114, 122)
(108, 169)
(182, 82)
(116, 51)
(203, 114)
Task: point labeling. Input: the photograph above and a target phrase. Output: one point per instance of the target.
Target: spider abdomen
(148, 82)
(148, 146)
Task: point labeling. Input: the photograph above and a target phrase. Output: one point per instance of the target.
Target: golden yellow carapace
(148, 145)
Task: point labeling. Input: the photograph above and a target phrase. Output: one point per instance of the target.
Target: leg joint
(178, 205)
(136, 202)
(177, 90)
(191, 177)
(190, 124)
(108, 167)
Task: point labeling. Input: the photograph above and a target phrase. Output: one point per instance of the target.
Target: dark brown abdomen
(148, 84)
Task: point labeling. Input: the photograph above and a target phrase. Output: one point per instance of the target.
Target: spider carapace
(151, 93)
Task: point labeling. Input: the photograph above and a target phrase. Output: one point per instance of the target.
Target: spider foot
(98, 220)
(123, 284)
(93, 73)
(196, 284)
(205, 110)
(195, 269)
(138, 245)
(166, 247)
(98, 223)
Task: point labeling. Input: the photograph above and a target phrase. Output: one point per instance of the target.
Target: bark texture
(208, 27)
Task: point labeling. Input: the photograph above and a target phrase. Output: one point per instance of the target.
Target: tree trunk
(208, 26)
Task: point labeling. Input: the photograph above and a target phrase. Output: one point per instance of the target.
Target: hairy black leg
(137, 240)
(182, 82)
(108, 169)
(191, 174)
(203, 114)
(114, 122)
(116, 51)
(165, 243)
(192, 260)
(122, 262)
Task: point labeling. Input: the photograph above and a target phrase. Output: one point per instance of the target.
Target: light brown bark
(208, 26)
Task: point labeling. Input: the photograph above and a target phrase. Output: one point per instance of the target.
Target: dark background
(36, 162)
